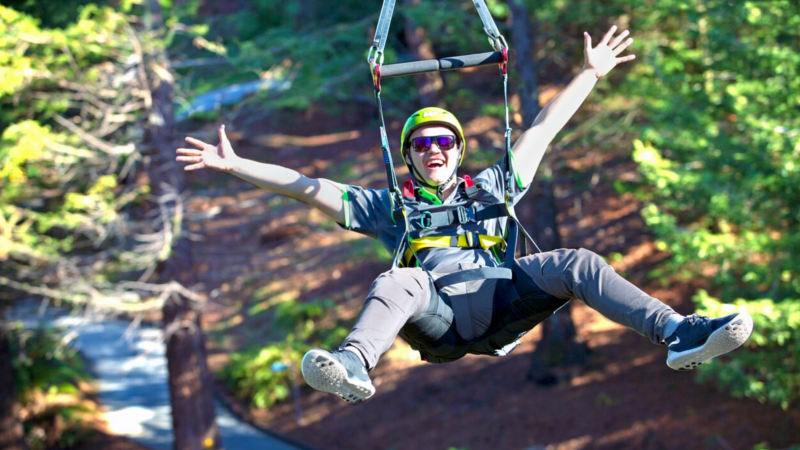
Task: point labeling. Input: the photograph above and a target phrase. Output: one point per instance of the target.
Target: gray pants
(403, 301)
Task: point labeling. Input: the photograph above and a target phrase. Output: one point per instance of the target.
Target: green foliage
(70, 104)
(45, 367)
(257, 374)
(50, 14)
(768, 368)
(720, 83)
(69, 108)
(314, 48)
(264, 373)
(320, 52)
(42, 67)
(368, 249)
(44, 363)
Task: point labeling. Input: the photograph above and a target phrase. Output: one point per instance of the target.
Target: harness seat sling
(431, 226)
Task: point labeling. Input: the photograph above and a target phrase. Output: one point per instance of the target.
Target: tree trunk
(11, 436)
(559, 345)
(524, 58)
(190, 385)
(305, 13)
(429, 84)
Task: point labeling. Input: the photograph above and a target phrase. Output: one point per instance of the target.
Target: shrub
(264, 373)
(48, 375)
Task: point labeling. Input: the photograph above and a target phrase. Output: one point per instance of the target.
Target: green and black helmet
(432, 116)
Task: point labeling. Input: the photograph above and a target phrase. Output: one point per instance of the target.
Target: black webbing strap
(516, 221)
(478, 273)
(515, 225)
(375, 59)
(492, 212)
(511, 244)
(461, 215)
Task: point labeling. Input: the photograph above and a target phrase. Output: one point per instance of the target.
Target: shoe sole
(721, 341)
(324, 373)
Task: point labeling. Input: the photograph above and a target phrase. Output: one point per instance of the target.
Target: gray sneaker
(699, 339)
(340, 372)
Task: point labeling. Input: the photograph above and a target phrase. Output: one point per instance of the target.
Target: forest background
(709, 114)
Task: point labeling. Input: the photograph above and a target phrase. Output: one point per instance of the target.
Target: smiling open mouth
(434, 164)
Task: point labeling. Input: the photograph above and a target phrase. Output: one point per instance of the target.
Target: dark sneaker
(699, 339)
(340, 372)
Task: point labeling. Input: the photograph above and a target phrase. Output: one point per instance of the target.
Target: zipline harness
(428, 226)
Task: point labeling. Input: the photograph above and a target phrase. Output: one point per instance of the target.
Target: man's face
(434, 161)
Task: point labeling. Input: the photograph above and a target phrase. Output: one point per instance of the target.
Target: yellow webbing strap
(462, 240)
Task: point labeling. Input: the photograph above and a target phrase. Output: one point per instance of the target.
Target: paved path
(131, 373)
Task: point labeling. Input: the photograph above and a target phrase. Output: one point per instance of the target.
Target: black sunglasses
(423, 143)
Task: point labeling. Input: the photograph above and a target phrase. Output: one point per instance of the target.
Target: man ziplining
(456, 286)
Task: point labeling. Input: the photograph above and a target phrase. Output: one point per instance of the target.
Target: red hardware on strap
(376, 75)
(504, 64)
(408, 188)
(468, 181)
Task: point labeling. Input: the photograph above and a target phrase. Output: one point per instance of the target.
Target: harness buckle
(461, 214)
(465, 215)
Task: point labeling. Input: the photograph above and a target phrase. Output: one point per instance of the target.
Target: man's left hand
(605, 56)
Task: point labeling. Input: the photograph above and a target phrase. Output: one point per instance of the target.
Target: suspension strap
(396, 197)
(382, 30)
(507, 134)
(375, 60)
(515, 226)
(496, 39)
(375, 54)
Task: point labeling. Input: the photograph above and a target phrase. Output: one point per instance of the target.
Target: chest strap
(460, 215)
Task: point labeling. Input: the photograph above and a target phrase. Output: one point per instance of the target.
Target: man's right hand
(220, 157)
(319, 193)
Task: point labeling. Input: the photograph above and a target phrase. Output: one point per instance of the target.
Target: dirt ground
(248, 242)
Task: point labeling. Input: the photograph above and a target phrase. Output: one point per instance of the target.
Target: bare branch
(146, 95)
(39, 290)
(82, 93)
(92, 140)
(171, 287)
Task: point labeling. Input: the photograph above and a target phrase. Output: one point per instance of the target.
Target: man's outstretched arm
(319, 193)
(531, 145)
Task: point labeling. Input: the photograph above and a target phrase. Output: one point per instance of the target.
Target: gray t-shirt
(369, 211)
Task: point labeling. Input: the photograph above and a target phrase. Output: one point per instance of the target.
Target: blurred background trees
(718, 155)
(713, 103)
